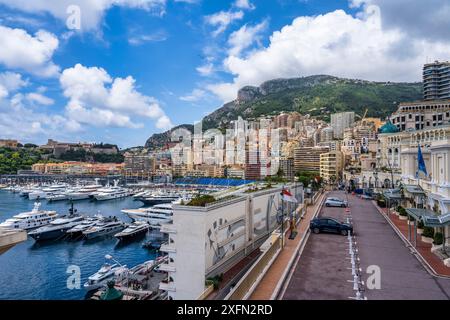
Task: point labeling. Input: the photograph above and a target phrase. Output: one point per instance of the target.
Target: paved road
(322, 271)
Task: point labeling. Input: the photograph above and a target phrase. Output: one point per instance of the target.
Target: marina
(45, 264)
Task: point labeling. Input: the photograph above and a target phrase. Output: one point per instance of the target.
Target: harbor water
(39, 271)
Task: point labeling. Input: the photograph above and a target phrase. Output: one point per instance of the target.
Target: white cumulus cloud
(95, 98)
(39, 98)
(194, 96)
(245, 37)
(92, 11)
(244, 4)
(221, 20)
(338, 44)
(31, 53)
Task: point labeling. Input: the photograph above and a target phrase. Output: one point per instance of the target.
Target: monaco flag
(287, 196)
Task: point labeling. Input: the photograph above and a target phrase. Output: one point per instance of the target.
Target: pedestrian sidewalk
(423, 249)
(268, 284)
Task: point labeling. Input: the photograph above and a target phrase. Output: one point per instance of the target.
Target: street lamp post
(282, 220)
(110, 257)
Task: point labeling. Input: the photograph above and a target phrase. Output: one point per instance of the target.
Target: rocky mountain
(319, 95)
(160, 140)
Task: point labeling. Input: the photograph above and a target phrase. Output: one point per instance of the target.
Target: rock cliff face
(159, 140)
(318, 95)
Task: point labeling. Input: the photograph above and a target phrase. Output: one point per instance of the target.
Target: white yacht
(111, 193)
(47, 191)
(89, 222)
(29, 220)
(133, 230)
(104, 228)
(106, 273)
(84, 192)
(159, 198)
(57, 197)
(25, 191)
(155, 216)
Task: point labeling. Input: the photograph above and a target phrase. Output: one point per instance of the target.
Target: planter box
(427, 240)
(403, 217)
(436, 247)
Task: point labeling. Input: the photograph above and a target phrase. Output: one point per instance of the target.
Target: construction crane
(364, 116)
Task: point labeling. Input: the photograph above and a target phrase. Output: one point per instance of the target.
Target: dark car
(330, 225)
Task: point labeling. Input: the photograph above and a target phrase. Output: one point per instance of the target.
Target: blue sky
(137, 67)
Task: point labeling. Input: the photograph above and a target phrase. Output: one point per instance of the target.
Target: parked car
(330, 225)
(366, 197)
(336, 202)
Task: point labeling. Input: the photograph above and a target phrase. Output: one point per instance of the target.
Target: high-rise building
(340, 122)
(436, 81)
(139, 163)
(281, 121)
(252, 164)
(308, 158)
(331, 165)
(287, 167)
(326, 134)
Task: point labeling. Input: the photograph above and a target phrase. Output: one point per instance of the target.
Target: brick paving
(436, 264)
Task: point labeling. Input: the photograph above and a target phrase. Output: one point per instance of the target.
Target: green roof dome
(389, 127)
(111, 293)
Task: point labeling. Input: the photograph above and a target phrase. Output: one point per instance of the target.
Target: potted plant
(402, 213)
(420, 227)
(381, 202)
(428, 235)
(438, 240)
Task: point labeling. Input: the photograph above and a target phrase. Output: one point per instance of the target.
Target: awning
(393, 194)
(414, 189)
(429, 218)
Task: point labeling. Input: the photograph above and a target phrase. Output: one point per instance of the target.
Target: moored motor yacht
(57, 228)
(111, 193)
(106, 273)
(155, 199)
(104, 228)
(87, 223)
(29, 220)
(133, 230)
(84, 192)
(43, 193)
(155, 216)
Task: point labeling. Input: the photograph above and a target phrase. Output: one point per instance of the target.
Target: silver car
(336, 202)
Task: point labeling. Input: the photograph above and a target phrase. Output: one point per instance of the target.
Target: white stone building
(208, 241)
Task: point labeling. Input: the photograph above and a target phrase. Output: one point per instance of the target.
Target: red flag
(287, 196)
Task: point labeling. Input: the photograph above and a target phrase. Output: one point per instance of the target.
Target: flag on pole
(421, 163)
(287, 196)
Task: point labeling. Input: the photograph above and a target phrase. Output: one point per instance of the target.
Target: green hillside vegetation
(318, 96)
(12, 160)
(83, 155)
